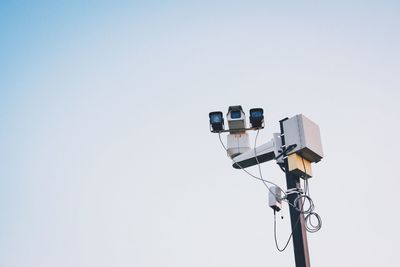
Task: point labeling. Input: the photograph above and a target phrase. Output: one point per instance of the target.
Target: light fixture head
(257, 117)
(216, 121)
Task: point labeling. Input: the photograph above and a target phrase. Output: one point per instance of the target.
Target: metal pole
(299, 233)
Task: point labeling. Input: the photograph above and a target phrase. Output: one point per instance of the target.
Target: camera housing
(305, 134)
(236, 119)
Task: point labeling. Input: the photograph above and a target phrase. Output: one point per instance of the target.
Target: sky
(106, 158)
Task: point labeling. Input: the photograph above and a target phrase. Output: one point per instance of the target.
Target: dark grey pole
(300, 244)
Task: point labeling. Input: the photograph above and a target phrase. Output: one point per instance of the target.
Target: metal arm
(265, 152)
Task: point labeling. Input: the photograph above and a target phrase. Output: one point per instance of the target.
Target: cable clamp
(292, 191)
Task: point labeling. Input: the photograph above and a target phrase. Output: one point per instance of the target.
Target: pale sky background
(106, 158)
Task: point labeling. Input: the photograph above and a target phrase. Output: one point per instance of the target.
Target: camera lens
(236, 114)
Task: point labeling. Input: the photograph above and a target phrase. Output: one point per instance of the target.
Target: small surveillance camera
(236, 118)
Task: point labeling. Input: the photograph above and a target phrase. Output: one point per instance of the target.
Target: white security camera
(236, 119)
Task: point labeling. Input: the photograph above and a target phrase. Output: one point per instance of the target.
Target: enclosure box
(275, 198)
(299, 166)
(237, 144)
(303, 132)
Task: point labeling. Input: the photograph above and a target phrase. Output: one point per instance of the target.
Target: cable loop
(310, 227)
(299, 201)
(300, 207)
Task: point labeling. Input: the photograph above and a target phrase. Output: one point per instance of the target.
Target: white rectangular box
(237, 144)
(303, 132)
(274, 198)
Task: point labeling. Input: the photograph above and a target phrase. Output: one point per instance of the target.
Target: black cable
(301, 209)
(252, 175)
(284, 198)
(290, 237)
(260, 172)
(258, 163)
(310, 227)
(276, 240)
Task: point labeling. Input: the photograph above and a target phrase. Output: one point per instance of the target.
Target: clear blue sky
(105, 154)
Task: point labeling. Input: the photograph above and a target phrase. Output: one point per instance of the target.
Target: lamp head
(216, 121)
(257, 117)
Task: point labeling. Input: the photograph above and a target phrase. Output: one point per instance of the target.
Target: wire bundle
(298, 202)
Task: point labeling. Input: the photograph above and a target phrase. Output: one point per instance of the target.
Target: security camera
(236, 119)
